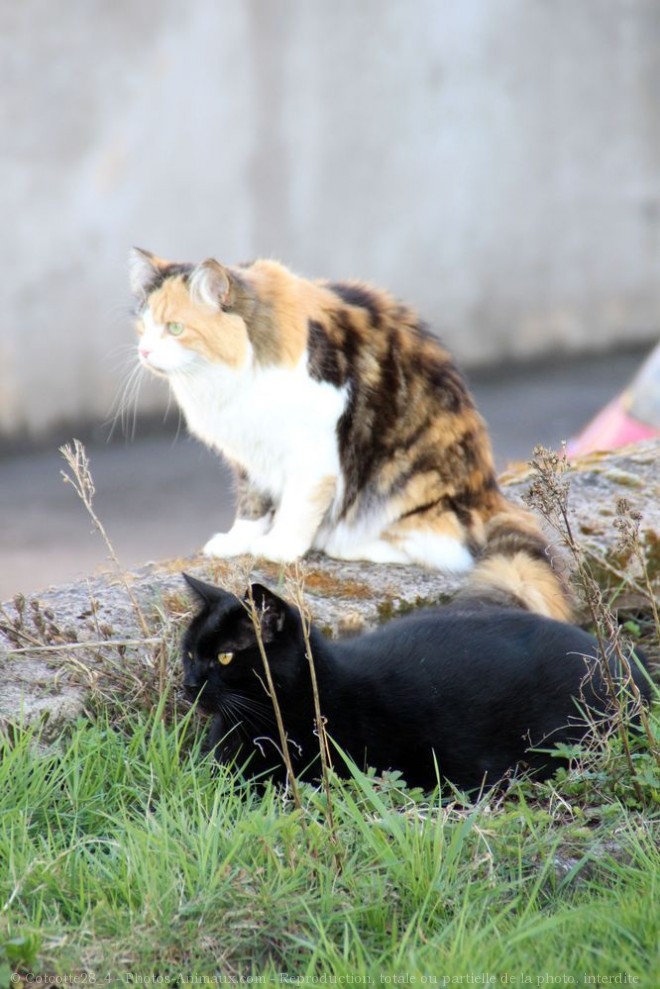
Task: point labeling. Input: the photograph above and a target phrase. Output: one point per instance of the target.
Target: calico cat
(479, 690)
(350, 427)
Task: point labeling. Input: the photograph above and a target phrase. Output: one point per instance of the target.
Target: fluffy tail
(518, 568)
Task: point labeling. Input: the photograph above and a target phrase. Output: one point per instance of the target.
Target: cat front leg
(251, 501)
(304, 504)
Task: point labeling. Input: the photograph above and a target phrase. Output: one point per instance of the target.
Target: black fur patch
(358, 295)
(445, 380)
(421, 509)
(424, 331)
(325, 361)
(460, 505)
(169, 271)
(368, 431)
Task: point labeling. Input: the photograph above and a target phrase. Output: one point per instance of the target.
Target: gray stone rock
(54, 649)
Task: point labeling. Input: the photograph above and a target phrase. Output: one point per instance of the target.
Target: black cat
(479, 691)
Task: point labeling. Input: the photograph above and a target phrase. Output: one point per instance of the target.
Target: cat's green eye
(174, 329)
(225, 658)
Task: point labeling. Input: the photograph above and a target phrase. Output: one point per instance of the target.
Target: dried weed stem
(85, 645)
(298, 587)
(628, 522)
(549, 495)
(253, 611)
(83, 484)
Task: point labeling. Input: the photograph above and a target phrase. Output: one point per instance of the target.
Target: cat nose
(144, 353)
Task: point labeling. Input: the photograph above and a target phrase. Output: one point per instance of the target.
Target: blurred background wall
(497, 162)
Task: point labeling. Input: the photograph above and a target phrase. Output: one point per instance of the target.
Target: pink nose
(144, 353)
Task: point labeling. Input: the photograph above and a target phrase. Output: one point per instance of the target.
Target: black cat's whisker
(252, 702)
(253, 712)
(238, 708)
(227, 708)
(231, 724)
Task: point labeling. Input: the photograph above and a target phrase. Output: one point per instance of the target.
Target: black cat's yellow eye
(174, 329)
(225, 658)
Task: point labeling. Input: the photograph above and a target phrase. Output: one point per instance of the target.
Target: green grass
(124, 856)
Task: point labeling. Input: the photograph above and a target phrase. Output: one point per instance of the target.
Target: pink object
(632, 416)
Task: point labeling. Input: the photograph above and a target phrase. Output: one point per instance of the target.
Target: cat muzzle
(193, 691)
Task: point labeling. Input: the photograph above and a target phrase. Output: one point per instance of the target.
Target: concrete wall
(495, 161)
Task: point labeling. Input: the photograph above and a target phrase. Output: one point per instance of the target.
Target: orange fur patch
(219, 336)
(286, 303)
(529, 581)
(322, 496)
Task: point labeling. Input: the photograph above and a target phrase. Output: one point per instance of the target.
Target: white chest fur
(277, 422)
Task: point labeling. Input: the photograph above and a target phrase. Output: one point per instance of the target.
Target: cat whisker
(135, 400)
(252, 702)
(126, 404)
(240, 725)
(179, 414)
(122, 357)
(231, 706)
(233, 722)
(252, 712)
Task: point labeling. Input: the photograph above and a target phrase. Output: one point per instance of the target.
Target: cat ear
(144, 271)
(206, 593)
(273, 612)
(210, 284)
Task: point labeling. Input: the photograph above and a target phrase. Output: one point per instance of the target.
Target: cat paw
(240, 538)
(279, 548)
(223, 545)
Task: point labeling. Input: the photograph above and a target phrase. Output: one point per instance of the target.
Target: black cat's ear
(273, 612)
(206, 593)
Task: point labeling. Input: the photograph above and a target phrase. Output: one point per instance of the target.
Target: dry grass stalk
(324, 748)
(549, 494)
(628, 524)
(83, 484)
(253, 612)
(87, 645)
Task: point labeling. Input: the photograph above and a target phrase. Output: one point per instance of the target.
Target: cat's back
(362, 332)
(477, 688)
(481, 652)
